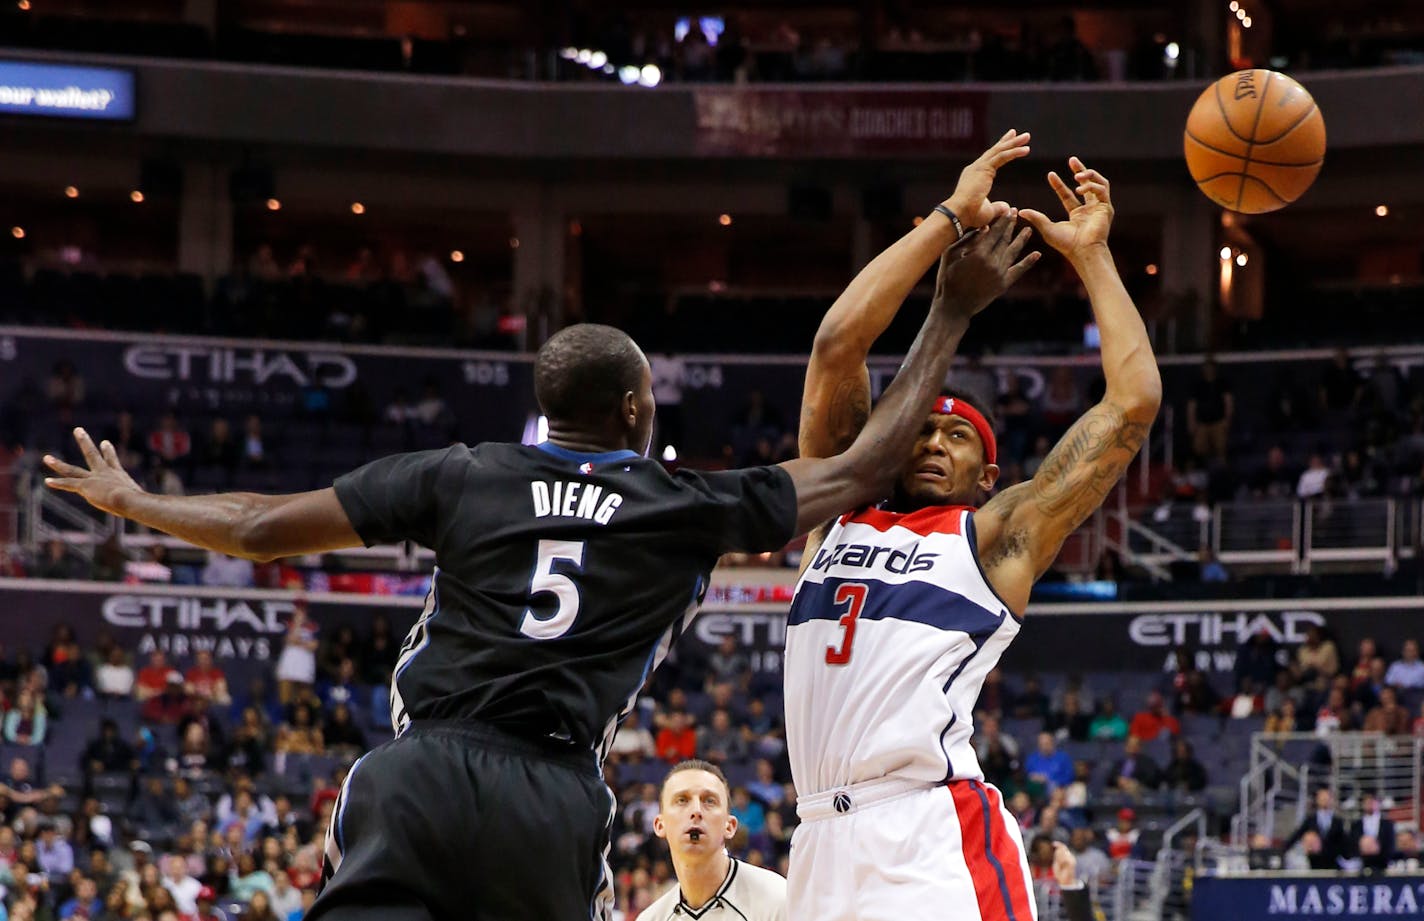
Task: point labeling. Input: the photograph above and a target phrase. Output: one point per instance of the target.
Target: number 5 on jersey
(853, 595)
(545, 579)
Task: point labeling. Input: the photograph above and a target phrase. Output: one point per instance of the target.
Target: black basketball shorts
(458, 821)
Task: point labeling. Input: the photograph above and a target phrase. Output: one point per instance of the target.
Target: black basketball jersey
(561, 580)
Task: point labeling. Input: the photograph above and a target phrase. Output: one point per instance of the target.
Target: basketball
(1255, 141)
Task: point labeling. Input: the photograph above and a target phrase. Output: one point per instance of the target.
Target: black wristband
(1077, 904)
(953, 219)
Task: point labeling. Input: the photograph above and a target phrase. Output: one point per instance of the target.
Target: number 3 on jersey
(563, 588)
(853, 595)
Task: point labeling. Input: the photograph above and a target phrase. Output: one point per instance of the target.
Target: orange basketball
(1255, 141)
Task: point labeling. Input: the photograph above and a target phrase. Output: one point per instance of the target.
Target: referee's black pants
(458, 821)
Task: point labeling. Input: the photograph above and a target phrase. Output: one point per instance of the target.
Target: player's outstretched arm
(836, 400)
(241, 524)
(1022, 529)
(866, 471)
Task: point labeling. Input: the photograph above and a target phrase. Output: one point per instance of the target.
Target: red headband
(950, 406)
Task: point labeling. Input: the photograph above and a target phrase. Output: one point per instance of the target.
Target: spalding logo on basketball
(841, 802)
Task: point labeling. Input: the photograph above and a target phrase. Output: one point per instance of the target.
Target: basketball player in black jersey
(565, 570)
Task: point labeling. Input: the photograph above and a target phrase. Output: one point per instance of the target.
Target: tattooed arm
(1021, 530)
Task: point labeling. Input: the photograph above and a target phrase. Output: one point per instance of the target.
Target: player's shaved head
(583, 372)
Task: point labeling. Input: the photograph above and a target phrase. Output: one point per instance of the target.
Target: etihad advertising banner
(245, 628)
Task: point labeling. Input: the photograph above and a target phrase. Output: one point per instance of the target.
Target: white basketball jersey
(891, 633)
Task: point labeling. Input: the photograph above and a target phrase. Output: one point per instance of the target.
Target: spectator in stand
(1032, 704)
(1256, 659)
(633, 742)
(53, 853)
(987, 733)
(1248, 701)
(191, 806)
(115, 678)
(1048, 766)
(107, 754)
(254, 446)
(206, 682)
(343, 688)
(677, 741)
(301, 736)
(1184, 772)
(1135, 771)
(728, 664)
(751, 815)
(1070, 722)
(286, 898)
(153, 677)
(1093, 862)
(1331, 842)
(69, 671)
(169, 443)
(1315, 479)
(296, 666)
(27, 721)
(1372, 835)
(196, 753)
(249, 879)
(182, 886)
(1340, 386)
(1062, 402)
(1155, 720)
(85, 903)
(207, 907)
(168, 708)
(1209, 411)
(1389, 717)
(994, 697)
(1209, 568)
(720, 742)
(224, 571)
(251, 741)
(1335, 714)
(1406, 672)
(65, 387)
(1317, 656)
(1285, 689)
(219, 451)
(341, 734)
(59, 563)
(1122, 838)
(765, 789)
(337, 648)
(1108, 725)
(382, 651)
(1195, 695)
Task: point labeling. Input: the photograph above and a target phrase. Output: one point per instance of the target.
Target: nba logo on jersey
(585, 468)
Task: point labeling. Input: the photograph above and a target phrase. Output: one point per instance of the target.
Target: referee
(694, 817)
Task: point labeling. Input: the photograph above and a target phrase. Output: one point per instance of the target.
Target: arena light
(136, 197)
(1240, 14)
(650, 76)
(583, 56)
(597, 60)
(1246, 23)
(17, 232)
(1234, 6)
(358, 208)
(1225, 254)
(628, 74)
(917, 221)
(1173, 51)
(1151, 268)
(568, 54)
(457, 256)
(274, 204)
(1241, 259)
(71, 192)
(725, 220)
(1381, 210)
(669, 454)
(24, 5)
(609, 69)
(514, 243)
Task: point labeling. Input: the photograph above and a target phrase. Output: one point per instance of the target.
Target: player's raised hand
(982, 266)
(1089, 217)
(105, 482)
(970, 201)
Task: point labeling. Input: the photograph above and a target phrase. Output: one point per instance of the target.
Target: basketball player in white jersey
(903, 609)
(694, 815)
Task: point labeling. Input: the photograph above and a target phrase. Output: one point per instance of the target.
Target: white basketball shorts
(895, 850)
